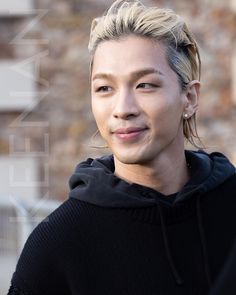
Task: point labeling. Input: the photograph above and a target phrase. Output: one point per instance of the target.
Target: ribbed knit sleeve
(16, 291)
(39, 269)
(85, 249)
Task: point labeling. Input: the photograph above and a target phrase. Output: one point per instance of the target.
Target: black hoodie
(94, 181)
(112, 237)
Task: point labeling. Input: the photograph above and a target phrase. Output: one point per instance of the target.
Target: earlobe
(192, 95)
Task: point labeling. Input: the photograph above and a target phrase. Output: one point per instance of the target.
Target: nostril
(126, 110)
(125, 116)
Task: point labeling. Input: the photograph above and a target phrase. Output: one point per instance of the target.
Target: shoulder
(226, 283)
(38, 267)
(224, 195)
(53, 230)
(229, 185)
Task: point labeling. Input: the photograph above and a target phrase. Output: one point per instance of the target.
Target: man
(152, 218)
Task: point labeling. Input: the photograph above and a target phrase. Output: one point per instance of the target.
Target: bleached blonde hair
(126, 18)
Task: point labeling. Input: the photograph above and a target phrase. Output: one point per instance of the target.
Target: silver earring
(185, 116)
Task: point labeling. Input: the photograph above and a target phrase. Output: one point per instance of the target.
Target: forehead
(129, 54)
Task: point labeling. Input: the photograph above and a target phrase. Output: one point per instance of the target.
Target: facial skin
(138, 107)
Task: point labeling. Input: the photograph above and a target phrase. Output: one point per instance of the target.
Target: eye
(103, 89)
(147, 85)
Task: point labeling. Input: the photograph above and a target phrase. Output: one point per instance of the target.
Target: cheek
(96, 109)
(99, 113)
(165, 116)
(172, 107)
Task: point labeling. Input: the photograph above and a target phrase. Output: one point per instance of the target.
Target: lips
(129, 135)
(128, 130)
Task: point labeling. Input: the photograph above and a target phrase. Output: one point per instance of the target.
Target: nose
(126, 105)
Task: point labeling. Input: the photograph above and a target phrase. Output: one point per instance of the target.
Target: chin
(132, 159)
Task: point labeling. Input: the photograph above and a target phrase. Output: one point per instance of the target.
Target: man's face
(136, 99)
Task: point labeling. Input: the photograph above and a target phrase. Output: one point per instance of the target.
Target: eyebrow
(135, 75)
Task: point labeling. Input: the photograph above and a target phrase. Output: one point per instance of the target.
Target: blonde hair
(126, 18)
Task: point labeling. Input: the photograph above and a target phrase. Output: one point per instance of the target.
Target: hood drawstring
(203, 242)
(174, 270)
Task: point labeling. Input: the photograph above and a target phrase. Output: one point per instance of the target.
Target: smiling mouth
(129, 134)
(128, 130)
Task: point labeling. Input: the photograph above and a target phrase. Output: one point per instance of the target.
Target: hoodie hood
(94, 181)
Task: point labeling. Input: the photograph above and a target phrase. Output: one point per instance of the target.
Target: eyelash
(149, 84)
(101, 89)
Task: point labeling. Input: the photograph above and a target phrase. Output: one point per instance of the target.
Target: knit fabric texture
(85, 249)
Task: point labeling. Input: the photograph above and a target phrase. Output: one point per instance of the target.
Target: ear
(192, 97)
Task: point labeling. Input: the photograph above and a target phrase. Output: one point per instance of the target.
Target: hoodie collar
(94, 181)
(207, 172)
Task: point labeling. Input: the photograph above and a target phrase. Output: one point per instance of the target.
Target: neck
(167, 174)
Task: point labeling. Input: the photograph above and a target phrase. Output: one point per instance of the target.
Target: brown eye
(103, 89)
(147, 85)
